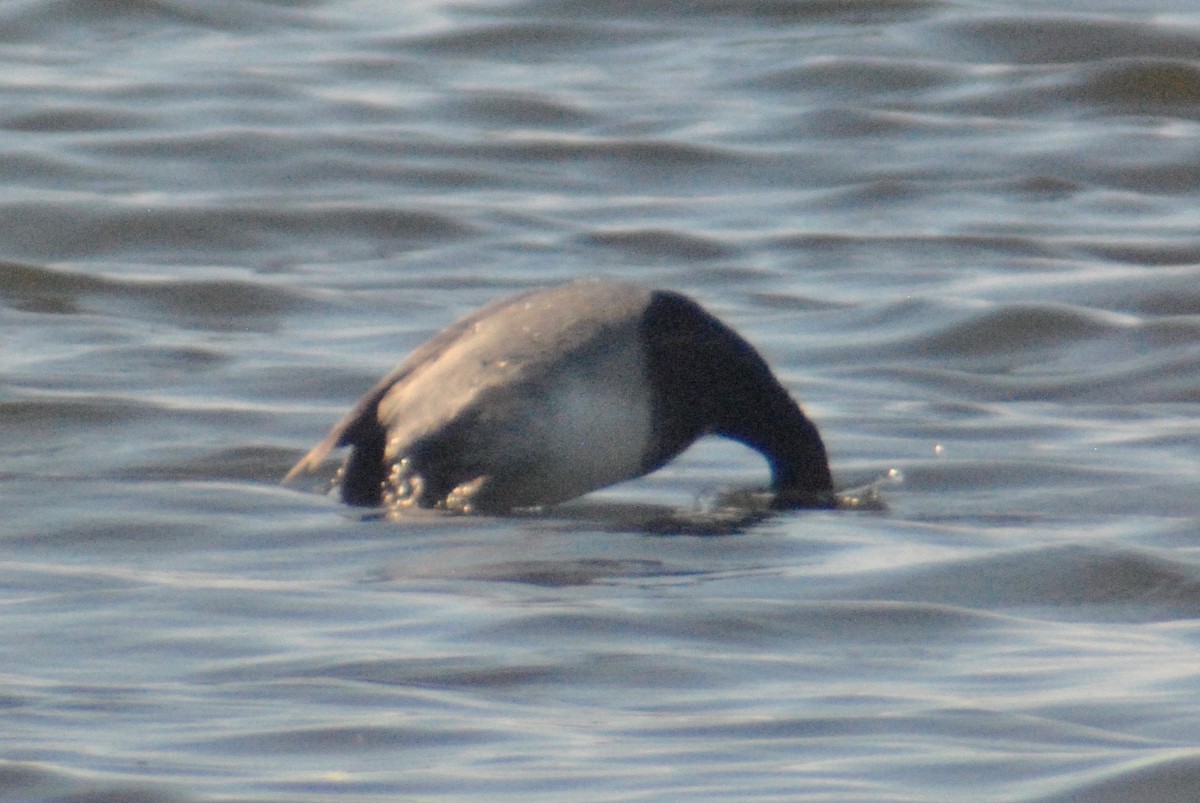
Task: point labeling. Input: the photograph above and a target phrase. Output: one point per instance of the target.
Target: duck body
(544, 396)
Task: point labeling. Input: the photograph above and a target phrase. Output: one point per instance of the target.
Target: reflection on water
(964, 237)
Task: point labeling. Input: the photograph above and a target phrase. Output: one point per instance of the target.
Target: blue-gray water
(965, 234)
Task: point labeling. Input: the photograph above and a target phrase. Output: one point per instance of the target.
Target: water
(964, 235)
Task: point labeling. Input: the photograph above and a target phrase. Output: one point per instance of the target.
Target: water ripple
(964, 237)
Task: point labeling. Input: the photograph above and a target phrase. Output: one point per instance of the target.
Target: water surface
(963, 234)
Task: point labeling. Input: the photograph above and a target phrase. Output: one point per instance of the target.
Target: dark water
(965, 235)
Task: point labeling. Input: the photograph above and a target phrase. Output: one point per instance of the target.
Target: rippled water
(964, 234)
